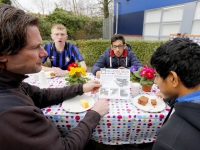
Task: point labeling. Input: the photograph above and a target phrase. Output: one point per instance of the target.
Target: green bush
(91, 50)
(144, 49)
(78, 26)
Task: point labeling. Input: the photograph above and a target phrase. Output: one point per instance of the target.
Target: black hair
(180, 55)
(118, 37)
(13, 28)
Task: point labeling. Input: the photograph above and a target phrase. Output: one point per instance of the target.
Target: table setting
(126, 123)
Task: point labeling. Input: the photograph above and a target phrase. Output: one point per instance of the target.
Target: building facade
(156, 19)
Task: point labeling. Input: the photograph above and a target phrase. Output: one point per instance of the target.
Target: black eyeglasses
(119, 46)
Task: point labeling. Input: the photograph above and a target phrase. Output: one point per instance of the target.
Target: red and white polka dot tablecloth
(124, 124)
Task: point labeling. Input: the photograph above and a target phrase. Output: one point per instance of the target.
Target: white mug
(36, 76)
(135, 87)
(43, 80)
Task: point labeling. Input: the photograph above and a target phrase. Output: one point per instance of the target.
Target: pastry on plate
(153, 102)
(143, 100)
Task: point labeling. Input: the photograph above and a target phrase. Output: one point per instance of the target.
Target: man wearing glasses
(118, 56)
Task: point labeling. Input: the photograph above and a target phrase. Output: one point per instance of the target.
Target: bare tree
(88, 7)
(37, 6)
(100, 8)
(18, 5)
(42, 5)
(66, 5)
(106, 7)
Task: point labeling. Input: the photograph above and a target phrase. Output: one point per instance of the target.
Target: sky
(35, 6)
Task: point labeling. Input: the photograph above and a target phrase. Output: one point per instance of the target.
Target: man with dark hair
(118, 56)
(177, 74)
(22, 123)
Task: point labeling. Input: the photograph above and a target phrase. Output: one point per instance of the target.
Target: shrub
(91, 50)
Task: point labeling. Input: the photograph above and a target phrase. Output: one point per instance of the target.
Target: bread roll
(52, 74)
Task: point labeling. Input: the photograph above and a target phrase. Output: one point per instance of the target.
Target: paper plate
(74, 105)
(149, 107)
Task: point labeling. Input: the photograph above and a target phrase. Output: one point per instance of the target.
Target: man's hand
(159, 94)
(91, 86)
(98, 74)
(121, 68)
(101, 106)
(59, 72)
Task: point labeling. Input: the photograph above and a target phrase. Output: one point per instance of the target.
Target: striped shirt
(62, 59)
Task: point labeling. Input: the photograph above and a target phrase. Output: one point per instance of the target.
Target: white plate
(149, 107)
(74, 104)
(47, 74)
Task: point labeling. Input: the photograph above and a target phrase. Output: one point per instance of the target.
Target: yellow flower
(72, 71)
(76, 75)
(83, 73)
(78, 70)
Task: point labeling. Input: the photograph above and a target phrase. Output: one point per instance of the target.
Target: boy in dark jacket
(177, 65)
(118, 56)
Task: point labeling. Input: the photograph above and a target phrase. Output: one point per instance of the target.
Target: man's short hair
(180, 55)
(13, 28)
(117, 37)
(59, 27)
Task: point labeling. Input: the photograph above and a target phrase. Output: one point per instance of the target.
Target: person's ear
(124, 46)
(51, 36)
(66, 36)
(111, 46)
(3, 58)
(174, 79)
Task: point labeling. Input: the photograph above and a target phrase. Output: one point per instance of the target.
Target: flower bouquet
(143, 75)
(76, 74)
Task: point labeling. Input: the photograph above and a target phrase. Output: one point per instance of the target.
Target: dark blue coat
(109, 60)
(182, 130)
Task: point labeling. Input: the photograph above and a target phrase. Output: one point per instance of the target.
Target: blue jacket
(109, 60)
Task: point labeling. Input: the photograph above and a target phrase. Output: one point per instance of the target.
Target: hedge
(91, 50)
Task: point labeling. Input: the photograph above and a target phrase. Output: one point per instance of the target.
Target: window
(196, 22)
(197, 12)
(169, 28)
(176, 12)
(160, 23)
(196, 27)
(152, 16)
(151, 29)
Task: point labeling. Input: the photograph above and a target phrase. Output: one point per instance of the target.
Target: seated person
(177, 75)
(118, 56)
(60, 52)
(23, 125)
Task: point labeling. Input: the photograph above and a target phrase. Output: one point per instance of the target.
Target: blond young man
(60, 52)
